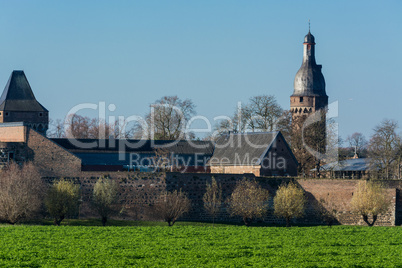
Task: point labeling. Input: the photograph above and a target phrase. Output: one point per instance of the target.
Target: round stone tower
(309, 86)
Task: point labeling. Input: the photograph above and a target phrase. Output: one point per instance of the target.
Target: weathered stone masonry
(141, 189)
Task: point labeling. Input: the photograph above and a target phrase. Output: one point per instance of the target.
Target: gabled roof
(232, 148)
(18, 95)
(138, 146)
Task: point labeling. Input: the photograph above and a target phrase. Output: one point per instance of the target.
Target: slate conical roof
(18, 95)
(309, 80)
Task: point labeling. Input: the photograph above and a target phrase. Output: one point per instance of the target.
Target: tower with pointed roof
(309, 93)
(18, 104)
(309, 97)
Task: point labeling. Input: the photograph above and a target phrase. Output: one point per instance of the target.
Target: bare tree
(62, 200)
(84, 127)
(213, 198)
(370, 200)
(261, 113)
(121, 129)
(20, 193)
(284, 125)
(172, 205)
(78, 127)
(314, 142)
(289, 202)
(56, 129)
(236, 124)
(304, 158)
(357, 142)
(168, 118)
(384, 147)
(105, 198)
(248, 200)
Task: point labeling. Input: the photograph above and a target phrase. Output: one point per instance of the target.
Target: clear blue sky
(216, 53)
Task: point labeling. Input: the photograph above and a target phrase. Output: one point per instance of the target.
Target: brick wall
(50, 158)
(140, 190)
(341, 192)
(13, 134)
(236, 169)
(398, 207)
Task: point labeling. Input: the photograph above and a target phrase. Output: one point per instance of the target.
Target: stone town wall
(140, 190)
(398, 207)
(50, 158)
(340, 193)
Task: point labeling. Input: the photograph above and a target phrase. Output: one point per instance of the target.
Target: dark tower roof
(309, 80)
(309, 38)
(18, 95)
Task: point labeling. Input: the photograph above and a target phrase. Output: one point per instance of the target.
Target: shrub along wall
(139, 190)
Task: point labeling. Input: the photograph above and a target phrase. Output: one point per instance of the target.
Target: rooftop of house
(357, 164)
(234, 147)
(138, 146)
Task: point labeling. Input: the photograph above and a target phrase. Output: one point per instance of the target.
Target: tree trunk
(287, 222)
(317, 166)
(247, 221)
(104, 220)
(329, 221)
(365, 218)
(57, 221)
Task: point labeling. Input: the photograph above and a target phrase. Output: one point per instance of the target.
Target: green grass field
(199, 245)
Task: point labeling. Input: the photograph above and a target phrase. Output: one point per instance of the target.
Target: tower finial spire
(308, 25)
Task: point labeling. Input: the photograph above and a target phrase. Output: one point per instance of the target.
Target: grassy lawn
(198, 245)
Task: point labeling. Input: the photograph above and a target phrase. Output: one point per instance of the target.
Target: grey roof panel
(143, 146)
(142, 159)
(359, 164)
(232, 148)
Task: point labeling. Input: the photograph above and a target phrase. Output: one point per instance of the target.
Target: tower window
(301, 99)
(7, 114)
(40, 114)
(0, 113)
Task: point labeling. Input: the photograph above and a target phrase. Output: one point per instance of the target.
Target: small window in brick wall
(40, 114)
(7, 114)
(301, 99)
